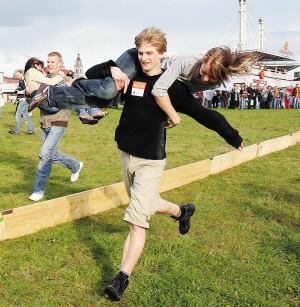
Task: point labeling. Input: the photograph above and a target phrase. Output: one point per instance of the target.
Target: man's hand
(30, 88)
(120, 78)
(241, 147)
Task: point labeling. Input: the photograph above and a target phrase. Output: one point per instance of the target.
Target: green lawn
(243, 248)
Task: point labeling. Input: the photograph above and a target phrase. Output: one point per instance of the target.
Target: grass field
(243, 248)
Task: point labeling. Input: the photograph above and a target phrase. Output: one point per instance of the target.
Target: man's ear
(161, 55)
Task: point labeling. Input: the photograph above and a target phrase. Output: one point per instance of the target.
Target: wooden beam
(32, 218)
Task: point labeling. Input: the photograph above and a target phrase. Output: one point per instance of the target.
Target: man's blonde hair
(154, 36)
(57, 54)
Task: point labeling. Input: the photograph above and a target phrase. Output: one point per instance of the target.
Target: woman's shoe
(89, 121)
(101, 116)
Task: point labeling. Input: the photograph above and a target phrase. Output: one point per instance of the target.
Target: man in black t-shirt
(141, 138)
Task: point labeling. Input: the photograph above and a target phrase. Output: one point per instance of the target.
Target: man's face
(150, 59)
(54, 64)
(19, 75)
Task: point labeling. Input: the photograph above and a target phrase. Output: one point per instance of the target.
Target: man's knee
(45, 157)
(136, 229)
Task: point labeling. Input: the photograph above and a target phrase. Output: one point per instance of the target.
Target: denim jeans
(49, 154)
(243, 100)
(87, 93)
(296, 102)
(257, 104)
(276, 103)
(90, 111)
(22, 110)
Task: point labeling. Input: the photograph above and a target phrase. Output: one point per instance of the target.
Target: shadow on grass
(23, 164)
(88, 230)
(57, 185)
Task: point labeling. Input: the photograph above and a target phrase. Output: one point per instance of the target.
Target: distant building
(8, 86)
(78, 68)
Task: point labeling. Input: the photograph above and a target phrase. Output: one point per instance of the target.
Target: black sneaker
(116, 289)
(13, 132)
(29, 133)
(41, 97)
(184, 219)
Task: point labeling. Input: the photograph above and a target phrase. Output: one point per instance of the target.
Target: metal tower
(242, 44)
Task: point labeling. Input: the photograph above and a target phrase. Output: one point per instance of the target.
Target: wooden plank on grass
(182, 175)
(277, 144)
(32, 218)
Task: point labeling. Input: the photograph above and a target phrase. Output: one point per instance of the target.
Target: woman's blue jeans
(87, 93)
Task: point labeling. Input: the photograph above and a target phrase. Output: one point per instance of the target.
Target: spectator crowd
(253, 97)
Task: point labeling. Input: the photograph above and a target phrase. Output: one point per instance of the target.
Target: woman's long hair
(31, 63)
(224, 62)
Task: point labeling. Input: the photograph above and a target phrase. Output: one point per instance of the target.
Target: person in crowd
(2, 103)
(215, 100)
(264, 97)
(257, 91)
(270, 98)
(243, 95)
(224, 103)
(296, 96)
(281, 99)
(199, 96)
(287, 98)
(53, 122)
(291, 98)
(276, 98)
(141, 138)
(234, 97)
(250, 91)
(22, 108)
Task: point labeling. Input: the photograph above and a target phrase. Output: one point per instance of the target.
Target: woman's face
(39, 67)
(205, 72)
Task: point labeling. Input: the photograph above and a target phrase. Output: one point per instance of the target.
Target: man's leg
(62, 159)
(45, 164)
(30, 128)
(141, 179)
(133, 248)
(50, 139)
(18, 117)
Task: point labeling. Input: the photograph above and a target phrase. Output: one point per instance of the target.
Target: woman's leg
(184, 102)
(86, 93)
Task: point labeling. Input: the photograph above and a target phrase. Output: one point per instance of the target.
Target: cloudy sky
(100, 30)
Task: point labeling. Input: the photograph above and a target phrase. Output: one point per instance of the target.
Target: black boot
(184, 219)
(116, 289)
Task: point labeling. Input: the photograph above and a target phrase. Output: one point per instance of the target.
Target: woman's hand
(241, 147)
(30, 88)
